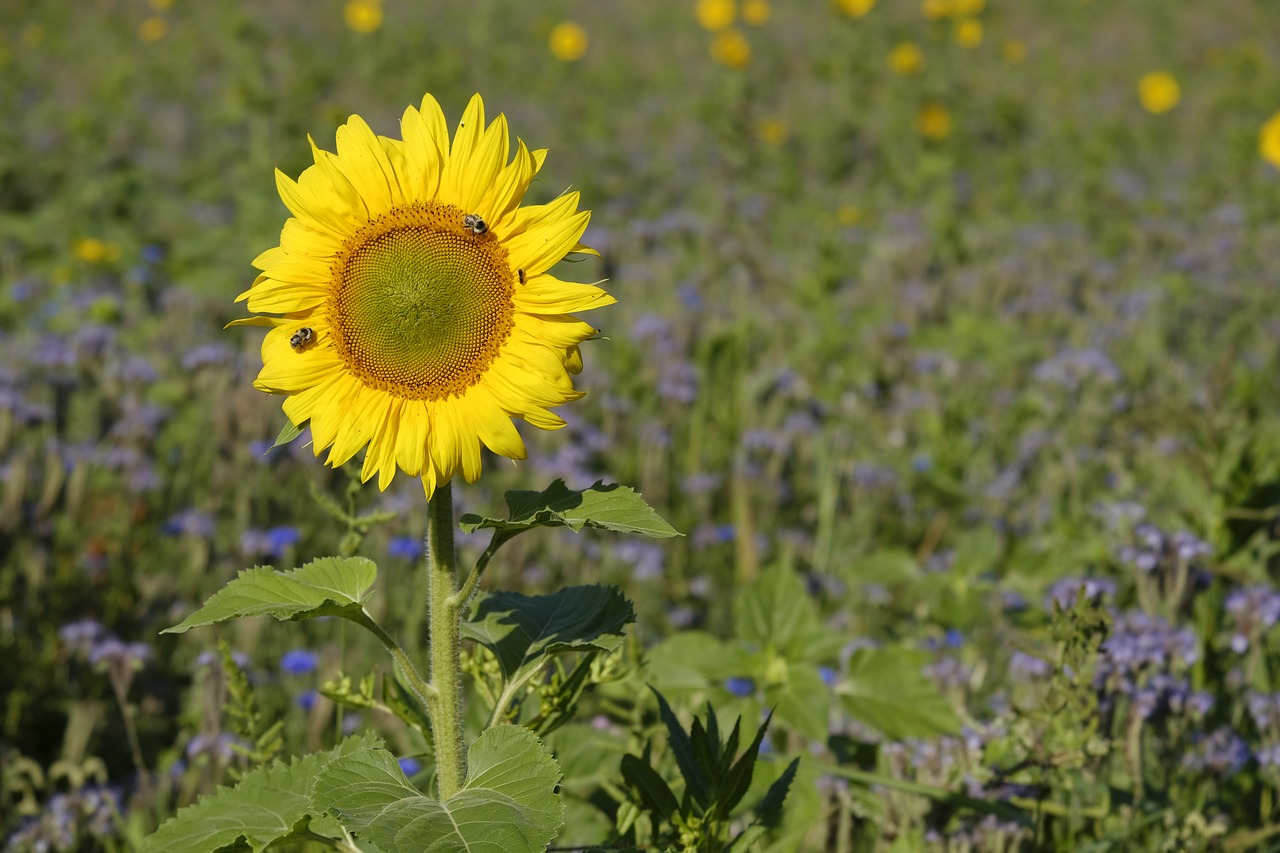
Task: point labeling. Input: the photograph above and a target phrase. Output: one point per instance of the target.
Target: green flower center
(420, 305)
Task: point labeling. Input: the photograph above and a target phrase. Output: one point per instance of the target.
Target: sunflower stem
(444, 645)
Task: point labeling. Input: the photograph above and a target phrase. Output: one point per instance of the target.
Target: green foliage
(716, 779)
(508, 804)
(606, 507)
(526, 633)
(886, 689)
(270, 805)
(329, 586)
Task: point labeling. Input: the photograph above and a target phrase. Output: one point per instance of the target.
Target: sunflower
(418, 313)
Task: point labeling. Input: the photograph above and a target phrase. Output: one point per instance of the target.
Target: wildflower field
(941, 395)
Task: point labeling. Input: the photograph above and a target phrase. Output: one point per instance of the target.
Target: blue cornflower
(410, 766)
(405, 547)
(279, 539)
(740, 686)
(306, 700)
(298, 662)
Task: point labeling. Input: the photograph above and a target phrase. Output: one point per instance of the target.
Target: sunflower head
(416, 313)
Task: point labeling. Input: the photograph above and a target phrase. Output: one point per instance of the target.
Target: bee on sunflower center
(473, 223)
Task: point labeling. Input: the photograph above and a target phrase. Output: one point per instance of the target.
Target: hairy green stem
(444, 645)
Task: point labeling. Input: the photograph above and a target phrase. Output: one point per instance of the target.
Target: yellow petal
(365, 164)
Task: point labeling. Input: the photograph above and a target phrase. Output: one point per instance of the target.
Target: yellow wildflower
(1269, 141)
(568, 41)
(933, 121)
(756, 12)
(362, 16)
(715, 15)
(906, 58)
(731, 48)
(1159, 92)
(856, 8)
(153, 28)
(968, 32)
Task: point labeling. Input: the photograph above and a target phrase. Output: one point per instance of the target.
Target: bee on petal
(302, 339)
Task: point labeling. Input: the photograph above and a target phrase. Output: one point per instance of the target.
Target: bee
(520, 274)
(302, 339)
(473, 223)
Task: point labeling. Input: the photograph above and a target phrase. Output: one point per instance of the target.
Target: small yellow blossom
(773, 131)
(856, 8)
(933, 121)
(848, 215)
(906, 58)
(731, 48)
(362, 16)
(968, 32)
(756, 13)
(967, 8)
(1269, 141)
(1158, 92)
(153, 28)
(935, 10)
(715, 15)
(1015, 52)
(91, 250)
(568, 41)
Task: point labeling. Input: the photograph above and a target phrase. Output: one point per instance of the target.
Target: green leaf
(694, 660)
(803, 702)
(774, 611)
(508, 804)
(890, 567)
(270, 804)
(977, 552)
(886, 689)
(329, 586)
(287, 434)
(523, 631)
(697, 780)
(608, 507)
(769, 811)
(648, 787)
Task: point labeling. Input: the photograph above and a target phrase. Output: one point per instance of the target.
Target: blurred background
(945, 310)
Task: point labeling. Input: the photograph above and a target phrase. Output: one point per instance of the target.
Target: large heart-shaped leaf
(523, 630)
(270, 804)
(508, 804)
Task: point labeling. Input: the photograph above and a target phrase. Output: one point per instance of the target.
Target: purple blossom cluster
(1064, 593)
(1253, 611)
(1072, 368)
(86, 818)
(1155, 548)
(1221, 753)
(89, 639)
(1143, 659)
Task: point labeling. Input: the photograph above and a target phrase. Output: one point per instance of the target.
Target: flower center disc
(420, 306)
